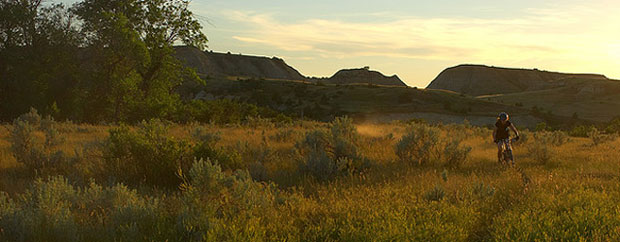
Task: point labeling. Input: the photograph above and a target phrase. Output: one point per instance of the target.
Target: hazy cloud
(569, 31)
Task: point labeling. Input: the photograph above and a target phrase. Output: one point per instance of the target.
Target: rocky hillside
(364, 76)
(587, 96)
(479, 80)
(223, 65)
(234, 65)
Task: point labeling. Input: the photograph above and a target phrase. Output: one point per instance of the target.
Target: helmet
(503, 116)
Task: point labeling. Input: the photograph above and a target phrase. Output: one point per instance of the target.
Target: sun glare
(614, 53)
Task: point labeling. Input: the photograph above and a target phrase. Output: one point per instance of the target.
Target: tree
(133, 41)
(98, 60)
(38, 45)
(613, 126)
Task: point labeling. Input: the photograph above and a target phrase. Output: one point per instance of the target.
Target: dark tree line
(97, 60)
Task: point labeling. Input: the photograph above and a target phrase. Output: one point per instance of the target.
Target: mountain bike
(507, 156)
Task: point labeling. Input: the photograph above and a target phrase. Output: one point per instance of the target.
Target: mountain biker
(501, 135)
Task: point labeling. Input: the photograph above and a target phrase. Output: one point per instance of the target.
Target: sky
(417, 39)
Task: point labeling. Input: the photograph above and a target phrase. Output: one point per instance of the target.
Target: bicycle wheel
(509, 157)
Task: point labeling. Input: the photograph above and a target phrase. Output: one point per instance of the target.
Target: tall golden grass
(573, 196)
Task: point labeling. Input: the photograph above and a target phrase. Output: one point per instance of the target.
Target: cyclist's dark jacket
(502, 130)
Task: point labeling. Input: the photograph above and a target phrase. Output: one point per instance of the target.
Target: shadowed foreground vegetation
(309, 181)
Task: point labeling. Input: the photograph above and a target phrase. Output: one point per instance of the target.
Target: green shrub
(444, 175)
(435, 194)
(482, 132)
(23, 144)
(613, 126)
(342, 127)
(229, 158)
(222, 111)
(43, 213)
(262, 153)
(479, 190)
(255, 122)
(420, 145)
(326, 154)
(317, 155)
(457, 132)
(455, 154)
(581, 131)
(32, 117)
(540, 152)
(416, 121)
(211, 197)
(146, 156)
(283, 120)
(40, 156)
(555, 138)
(524, 137)
(210, 203)
(559, 138)
(206, 148)
(54, 210)
(258, 171)
(599, 138)
(541, 127)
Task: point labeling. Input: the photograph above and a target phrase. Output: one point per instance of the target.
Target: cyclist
(501, 135)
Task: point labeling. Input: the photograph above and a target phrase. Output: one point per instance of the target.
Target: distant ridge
(364, 76)
(235, 65)
(224, 65)
(479, 80)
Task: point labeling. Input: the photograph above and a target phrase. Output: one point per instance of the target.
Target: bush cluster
(206, 148)
(555, 138)
(211, 196)
(541, 149)
(613, 126)
(54, 210)
(581, 131)
(36, 154)
(326, 154)
(221, 111)
(436, 194)
(599, 138)
(424, 145)
(541, 152)
(420, 145)
(454, 154)
(147, 155)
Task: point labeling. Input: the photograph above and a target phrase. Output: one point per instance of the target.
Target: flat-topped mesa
(364, 76)
(235, 65)
(479, 80)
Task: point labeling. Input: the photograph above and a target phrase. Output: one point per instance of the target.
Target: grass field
(562, 189)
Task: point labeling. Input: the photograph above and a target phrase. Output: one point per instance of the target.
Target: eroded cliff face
(234, 65)
(220, 65)
(364, 76)
(479, 80)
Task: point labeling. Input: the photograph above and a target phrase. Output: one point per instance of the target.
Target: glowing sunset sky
(418, 39)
